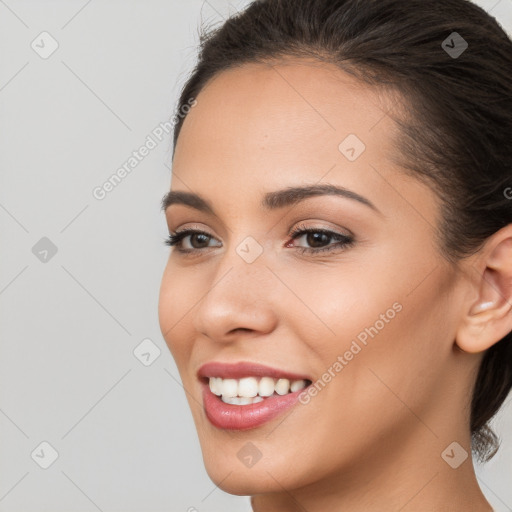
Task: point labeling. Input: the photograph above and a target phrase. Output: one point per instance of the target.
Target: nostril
(240, 329)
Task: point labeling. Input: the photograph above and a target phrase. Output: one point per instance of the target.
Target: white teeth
(241, 400)
(229, 387)
(282, 386)
(249, 390)
(266, 386)
(215, 385)
(296, 385)
(248, 387)
(230, 400)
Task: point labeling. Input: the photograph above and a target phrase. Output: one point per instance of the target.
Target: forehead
(293, 110)
(266, 126)
(260, 128)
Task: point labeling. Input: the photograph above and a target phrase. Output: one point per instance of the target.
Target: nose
(240, 297)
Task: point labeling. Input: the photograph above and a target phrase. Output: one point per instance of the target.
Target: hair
(455, 125)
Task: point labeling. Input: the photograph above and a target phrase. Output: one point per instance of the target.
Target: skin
(372, 438)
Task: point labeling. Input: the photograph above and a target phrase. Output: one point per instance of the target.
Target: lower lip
(243, 417)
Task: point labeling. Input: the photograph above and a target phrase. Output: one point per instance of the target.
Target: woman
(338, 297)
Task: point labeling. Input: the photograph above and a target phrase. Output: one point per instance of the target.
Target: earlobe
(489, 316)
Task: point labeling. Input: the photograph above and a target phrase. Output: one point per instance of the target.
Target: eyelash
(344, 241)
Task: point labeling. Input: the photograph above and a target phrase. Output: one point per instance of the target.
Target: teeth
(248, 387)
(249, 390)
(282, 386)
(241, 400)
(229, 387)
(266, 386)
(215, 385)
(296, 385)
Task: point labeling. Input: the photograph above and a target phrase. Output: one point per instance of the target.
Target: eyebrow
(271, 200)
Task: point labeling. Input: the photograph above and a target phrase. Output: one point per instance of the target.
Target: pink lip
(243, 417)
(245, 369)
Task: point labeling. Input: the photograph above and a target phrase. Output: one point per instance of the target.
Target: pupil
(317, 239)
(199, 236)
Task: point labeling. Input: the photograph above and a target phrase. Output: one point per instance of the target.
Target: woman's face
(366, 312)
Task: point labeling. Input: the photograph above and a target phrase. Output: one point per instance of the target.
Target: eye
(320, 240)
(189, 240)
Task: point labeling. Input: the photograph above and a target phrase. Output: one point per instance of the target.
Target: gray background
(70, 321)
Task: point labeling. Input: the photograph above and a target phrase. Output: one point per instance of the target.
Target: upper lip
(245, 369)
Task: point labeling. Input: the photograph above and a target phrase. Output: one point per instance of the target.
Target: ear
(488, 319)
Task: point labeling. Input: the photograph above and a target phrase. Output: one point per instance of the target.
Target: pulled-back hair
(455, 118)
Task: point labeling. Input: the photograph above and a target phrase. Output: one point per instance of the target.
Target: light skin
(372, 438)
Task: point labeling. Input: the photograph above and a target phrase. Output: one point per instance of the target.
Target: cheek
(175, 307)
(392, 350)
(383, 318)
(333, 304)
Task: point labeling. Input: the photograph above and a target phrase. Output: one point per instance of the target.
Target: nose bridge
(240, 293)
(242, 271)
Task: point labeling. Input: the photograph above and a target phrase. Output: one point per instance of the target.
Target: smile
(246, 395)
(250, 390)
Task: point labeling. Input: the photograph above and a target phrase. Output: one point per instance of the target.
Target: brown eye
(190, 240)
(319, 240)
(199, 240)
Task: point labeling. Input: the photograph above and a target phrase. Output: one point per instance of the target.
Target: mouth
(246, 395)
(252, 390)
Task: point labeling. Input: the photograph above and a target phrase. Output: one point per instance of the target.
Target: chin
(242, 481)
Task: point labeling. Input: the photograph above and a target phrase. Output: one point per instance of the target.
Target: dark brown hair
(455, 121)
